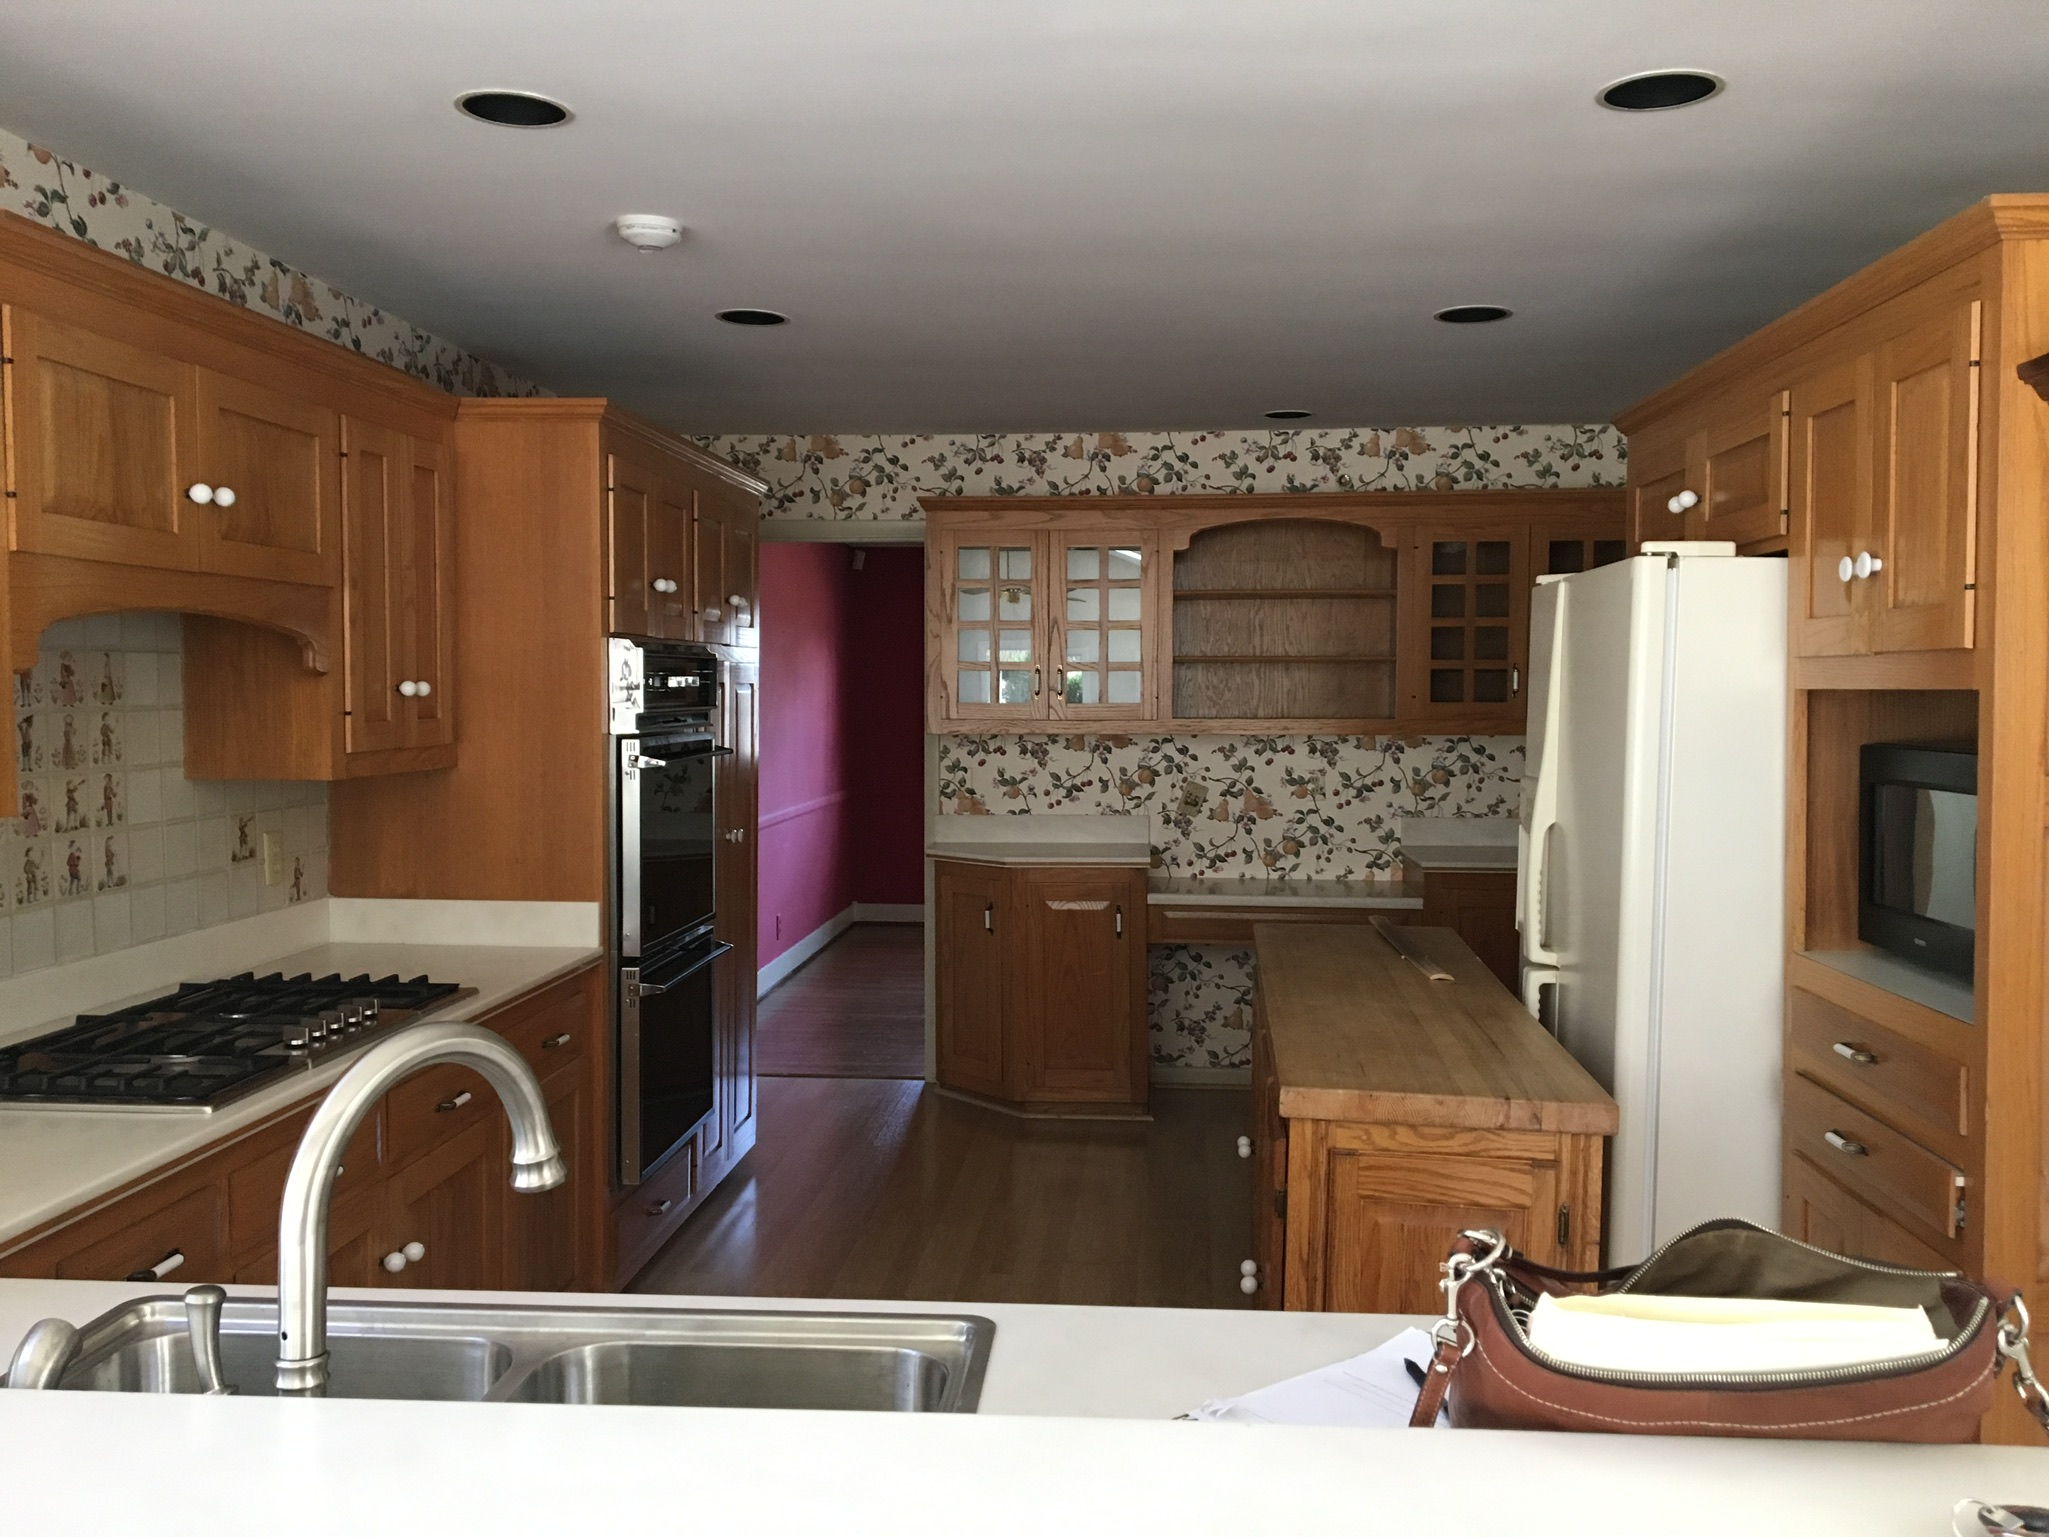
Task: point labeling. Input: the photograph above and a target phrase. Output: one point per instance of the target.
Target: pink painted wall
(805, 861)
(886, 724)
(842, 735)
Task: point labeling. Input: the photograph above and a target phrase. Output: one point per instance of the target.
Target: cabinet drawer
(1905, 1082)
(1207, 924)
(554, 1028)
(430, 1107)
(190, 1225)
(1869, 1157)
(257, 1188)
(647, 1213)
(1817, 1210)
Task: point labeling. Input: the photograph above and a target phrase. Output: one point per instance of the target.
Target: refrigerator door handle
(1535, 980)
(1536, 947)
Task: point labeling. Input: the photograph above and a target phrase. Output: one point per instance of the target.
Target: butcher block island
(1391, 1110)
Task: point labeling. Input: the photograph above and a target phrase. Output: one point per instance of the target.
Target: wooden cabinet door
(546, 1231)
(101, 434)
(1479, 905)
(1817, 1210)
(428, 549)
(1269, 1174)
(1829, 433)
(737, 589)
(1925, 485)
(1398, 1196)
(376, 603)
(1737, 467)
(1657, 473)
(737, 875)
(986, 610)
(970, 930)
(279, 457)
(449, 1201)
(670, 510)
(157, 1225)
(1466, 630)
(629, 494)
(1562, 546)
(354, 1223)
(708, 573)
(1082, 1033)
(1100, 625)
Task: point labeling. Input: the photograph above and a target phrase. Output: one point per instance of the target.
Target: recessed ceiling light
(752, 318)
(1659, 90)
(1286, 416)
(512, 109)
(1473, 314)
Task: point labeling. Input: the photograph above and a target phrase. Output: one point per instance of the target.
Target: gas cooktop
(212, 1042)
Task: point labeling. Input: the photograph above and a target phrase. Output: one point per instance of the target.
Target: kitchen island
(1074, 1433)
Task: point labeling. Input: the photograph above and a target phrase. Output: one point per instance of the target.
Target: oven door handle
(697, 964)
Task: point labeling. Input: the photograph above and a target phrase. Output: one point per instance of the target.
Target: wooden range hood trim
(43, 589)
(598, 409)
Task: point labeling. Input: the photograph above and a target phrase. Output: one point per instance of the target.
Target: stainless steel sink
(708, 1358)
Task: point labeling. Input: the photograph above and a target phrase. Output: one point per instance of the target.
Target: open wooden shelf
(1264, 593)
(1346, 656)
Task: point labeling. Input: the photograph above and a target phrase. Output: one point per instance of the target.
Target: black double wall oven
(665, 702)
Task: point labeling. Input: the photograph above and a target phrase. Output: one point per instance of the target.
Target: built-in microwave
(1918, 871)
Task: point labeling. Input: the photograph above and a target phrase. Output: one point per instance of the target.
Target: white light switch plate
(273, 859)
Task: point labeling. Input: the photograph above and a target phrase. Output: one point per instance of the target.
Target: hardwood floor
(888, 1189)
(855, 1010)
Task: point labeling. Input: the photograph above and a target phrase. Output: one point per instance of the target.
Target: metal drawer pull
(555, 1040)
(659, 1208)
(160, 1269)
(453, 1104)
(1856, 1054)
(1120, 920)
(1843, 1144)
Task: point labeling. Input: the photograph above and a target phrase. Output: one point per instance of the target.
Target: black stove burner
(209, 1041)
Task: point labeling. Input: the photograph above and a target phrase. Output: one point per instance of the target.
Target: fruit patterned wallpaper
(40, 184)
(115, 846)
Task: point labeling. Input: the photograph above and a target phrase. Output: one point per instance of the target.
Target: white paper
(1625, 1332)
(1372, 1389)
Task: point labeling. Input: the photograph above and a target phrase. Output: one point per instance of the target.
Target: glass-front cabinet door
(1468, 626)
(1102, 605)
(992, 664)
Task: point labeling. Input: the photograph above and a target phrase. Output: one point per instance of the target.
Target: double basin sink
(560, 1355)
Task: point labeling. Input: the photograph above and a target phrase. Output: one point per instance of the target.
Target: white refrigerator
(1651, 895)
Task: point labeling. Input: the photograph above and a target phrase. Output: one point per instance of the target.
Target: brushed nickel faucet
(537, 1165)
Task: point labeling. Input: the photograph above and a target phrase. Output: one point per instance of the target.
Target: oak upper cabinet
(1040, 985)
(990, 596)
(725, 567)
(1099, 632)
(1720, 473)
(629, 498)
(671, 510)
(1467, 628)
(102, 436)
(269, 466)
(395, 572)
(1884, 444)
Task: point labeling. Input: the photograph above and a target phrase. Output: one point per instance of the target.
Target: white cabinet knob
(1685, 501)
(224, 496)
(394, 1262)
(199, 491)
(1245, 1151)
(415, 1251)
(735, 600)
(423, 688)
(1867, 563)
(1249, 1267)
(664, 584)
(1846, 568)
(409, 688)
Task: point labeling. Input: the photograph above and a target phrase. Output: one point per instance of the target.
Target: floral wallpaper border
(76, 201)
(879, 479)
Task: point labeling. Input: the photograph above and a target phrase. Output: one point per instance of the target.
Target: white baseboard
(1199, 1077)
(888, 912)
(804, 949)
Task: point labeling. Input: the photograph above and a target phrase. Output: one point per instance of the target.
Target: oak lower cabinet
(1041, 983)
(1478, 906)
(1391, 1112)
(411, 1175)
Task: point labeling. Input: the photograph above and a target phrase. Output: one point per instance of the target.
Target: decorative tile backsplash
(880, 478)
(76, 201)
(1308, 807)
(114, 845)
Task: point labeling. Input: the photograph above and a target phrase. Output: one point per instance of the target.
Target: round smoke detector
(648, 231)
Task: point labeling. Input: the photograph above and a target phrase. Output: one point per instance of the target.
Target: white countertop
(1459, 856)
(1044, 851)
(1194, 891)
(1034, 1460)
(53, 1160)
(1043, 838)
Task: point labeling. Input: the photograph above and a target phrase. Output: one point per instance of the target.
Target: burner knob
(299, 1035)
(333, 1024)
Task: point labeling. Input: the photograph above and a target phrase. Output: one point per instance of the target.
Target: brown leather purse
(1496, 1380)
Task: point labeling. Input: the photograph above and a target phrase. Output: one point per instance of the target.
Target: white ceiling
(992, 216)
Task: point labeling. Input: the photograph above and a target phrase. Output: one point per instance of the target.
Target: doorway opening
(842, 795)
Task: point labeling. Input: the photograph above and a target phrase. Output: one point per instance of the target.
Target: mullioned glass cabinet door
(992, 632)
